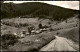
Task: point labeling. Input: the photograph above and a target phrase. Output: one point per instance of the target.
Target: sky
(65, 4)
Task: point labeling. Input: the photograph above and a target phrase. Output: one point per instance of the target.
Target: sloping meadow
(33, 42)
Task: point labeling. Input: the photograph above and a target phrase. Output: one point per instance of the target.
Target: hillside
(33, 9)
(66, 31)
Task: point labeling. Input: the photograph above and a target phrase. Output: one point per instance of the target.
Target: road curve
(59, 44)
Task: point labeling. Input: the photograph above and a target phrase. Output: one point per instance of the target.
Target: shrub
(58, 33)
(34, 50)
(49, 22)
(8, 39)
(51, 29)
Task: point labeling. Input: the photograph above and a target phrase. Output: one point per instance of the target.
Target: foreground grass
(32, 43)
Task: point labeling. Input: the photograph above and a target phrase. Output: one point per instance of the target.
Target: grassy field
(22, 22)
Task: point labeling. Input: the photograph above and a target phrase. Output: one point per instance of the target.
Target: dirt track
(59, 44)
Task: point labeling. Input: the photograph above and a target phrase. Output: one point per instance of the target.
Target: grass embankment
(72, 34)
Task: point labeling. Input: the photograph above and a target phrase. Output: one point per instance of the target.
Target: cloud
(66, 4)
(69, 4)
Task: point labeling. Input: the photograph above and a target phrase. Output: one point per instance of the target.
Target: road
(59, 44)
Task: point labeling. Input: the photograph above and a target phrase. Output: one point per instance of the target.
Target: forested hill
(10, 10)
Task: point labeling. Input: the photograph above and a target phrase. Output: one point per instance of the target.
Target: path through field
(59, 44)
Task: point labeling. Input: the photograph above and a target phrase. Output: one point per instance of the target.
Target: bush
(8, 39)
(51, 29)
(58, 33)
(34, 50)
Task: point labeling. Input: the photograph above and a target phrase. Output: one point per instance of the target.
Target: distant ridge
(10, 10)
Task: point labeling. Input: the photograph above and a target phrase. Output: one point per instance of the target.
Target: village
(32, 31)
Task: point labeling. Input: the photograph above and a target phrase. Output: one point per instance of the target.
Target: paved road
(59, 44)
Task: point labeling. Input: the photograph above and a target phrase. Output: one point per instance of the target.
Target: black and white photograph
(39, 26)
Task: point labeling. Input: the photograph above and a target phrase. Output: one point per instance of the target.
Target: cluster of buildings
(29, 31)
